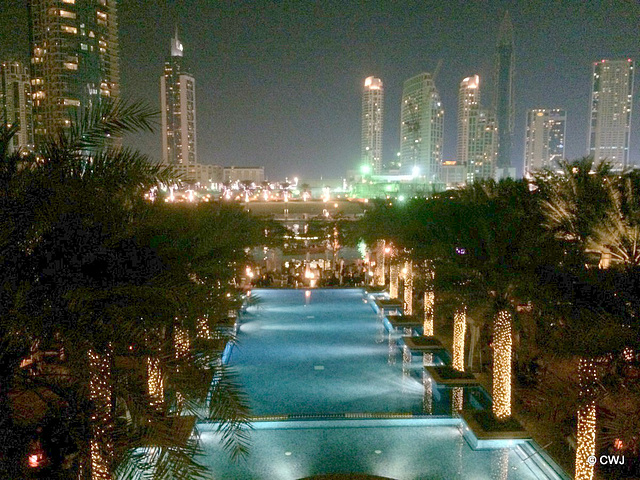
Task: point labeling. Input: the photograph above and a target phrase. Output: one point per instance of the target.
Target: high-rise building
(372, 114)
(503, 99)
(468, 107)
(421, 130)
(74, 62)
(15, 103)
(545, 139)
(178, 106)
(611, 101)
(476, 147)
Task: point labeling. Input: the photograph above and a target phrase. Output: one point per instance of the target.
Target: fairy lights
(101, 445)
(380, 253)
(155, 382)
(203, 330)
(586, 434)
(181, 342)
(502, 345)
(459, 330)
(408, 288)
(393, 280)
(429, 302)
(429, 299)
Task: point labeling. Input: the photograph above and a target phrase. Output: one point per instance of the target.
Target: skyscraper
(611, 101)
(545, 139)
(74, 62)
(178, 105)
(422, 118)
(372, 115)
(503, 101)
(15, 103)
(476, 132)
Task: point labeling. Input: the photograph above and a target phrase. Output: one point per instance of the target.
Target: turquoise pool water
(325, 359)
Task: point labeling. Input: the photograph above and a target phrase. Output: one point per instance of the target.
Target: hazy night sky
(279, 84)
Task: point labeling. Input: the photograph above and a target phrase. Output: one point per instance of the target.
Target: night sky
(279, 83)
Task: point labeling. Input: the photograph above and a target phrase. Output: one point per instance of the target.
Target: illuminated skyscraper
(545, 139)
(611, 101)
(372, 114)
(476, 132)
(503, 102)
(178, 104)
(422, 118)
(15, 103)
(74, 63)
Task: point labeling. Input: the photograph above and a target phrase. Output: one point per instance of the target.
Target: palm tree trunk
(408, 288)
(586, 434)
(100, 392)
(459, 331)
(429, 300)
(155, 382)
(502, 347)
(393, 280)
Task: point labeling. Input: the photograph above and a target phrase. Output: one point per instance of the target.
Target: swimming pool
(324, 361)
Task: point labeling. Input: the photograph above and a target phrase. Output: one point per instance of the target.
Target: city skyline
(258, 64)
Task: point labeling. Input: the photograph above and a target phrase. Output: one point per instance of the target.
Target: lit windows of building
(16, 106)
(545, 139)
(372, 116)
(611, 101)
(86, 71)
(178, 108)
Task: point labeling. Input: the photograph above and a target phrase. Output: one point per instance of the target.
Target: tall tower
(476, 147)
(372, 115)
(422, 118)
(503, 101)
(178, 105)
(74, 59)
(15, 103)
(545, 139)
(468, 108)
(611, 100)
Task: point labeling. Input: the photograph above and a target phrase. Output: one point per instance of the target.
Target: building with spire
(74, 59)
(545, 139)
(477, 139)
(504, 98)
(15, 103)
(178, 109)
(611, 101)
(372, 115)
(421, 129)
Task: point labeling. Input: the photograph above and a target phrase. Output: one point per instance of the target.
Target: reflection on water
(427, 359)
(457, 399)
(393, 348)
(500, 464)
(427, 399)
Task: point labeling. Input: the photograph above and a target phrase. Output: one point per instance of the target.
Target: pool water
(355, 402)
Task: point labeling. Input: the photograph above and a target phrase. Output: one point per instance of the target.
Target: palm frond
(96, 126)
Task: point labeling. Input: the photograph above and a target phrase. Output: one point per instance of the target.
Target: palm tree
(595, 214)
(100, 281)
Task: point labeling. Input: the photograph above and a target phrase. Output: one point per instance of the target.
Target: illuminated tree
(408, 287)
(95, 273)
